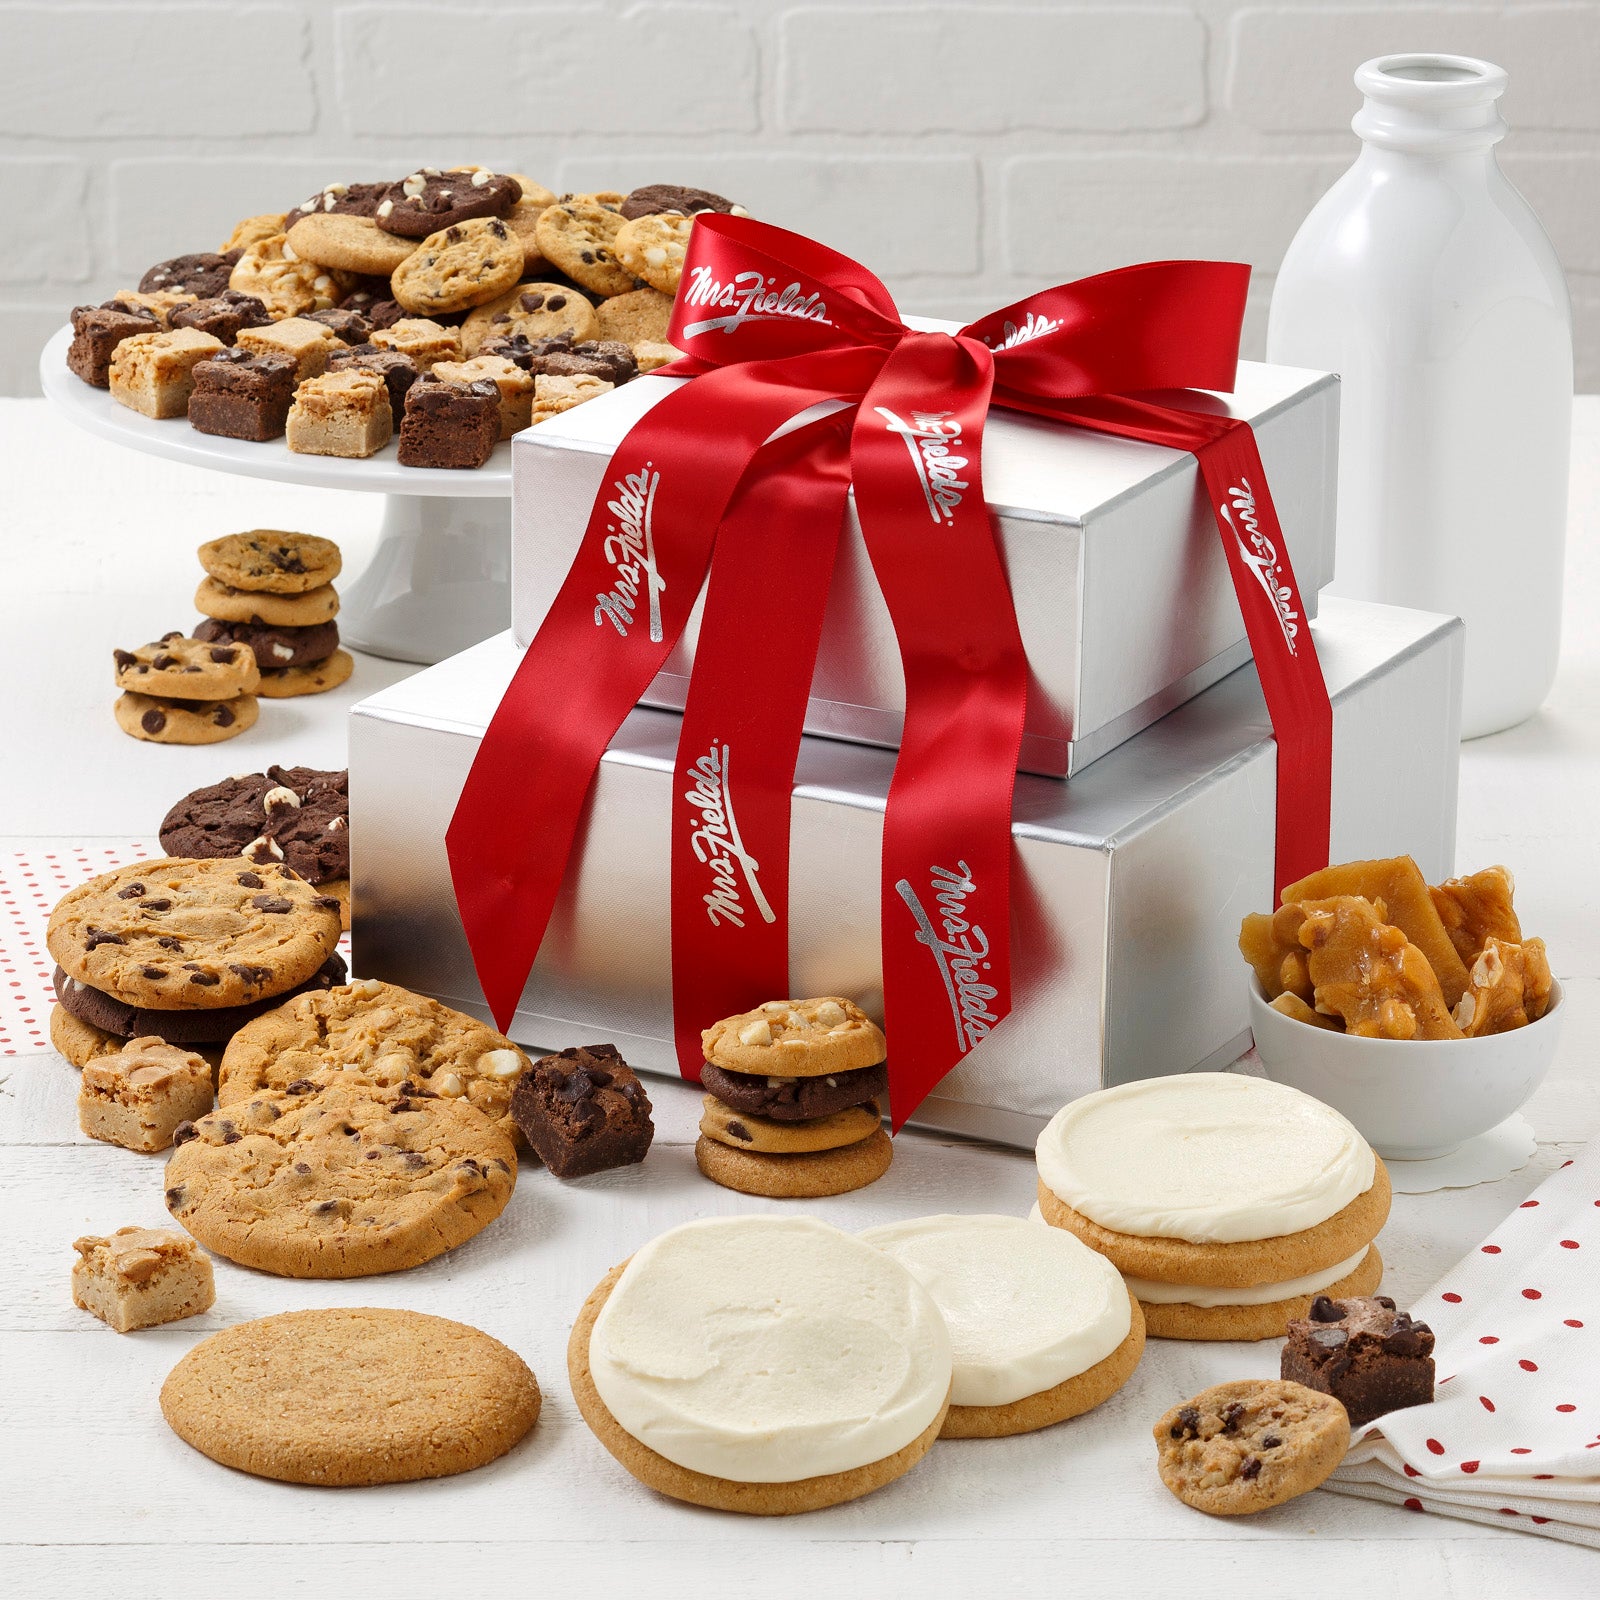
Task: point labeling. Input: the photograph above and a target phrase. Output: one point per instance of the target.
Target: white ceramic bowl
(1411, 1099)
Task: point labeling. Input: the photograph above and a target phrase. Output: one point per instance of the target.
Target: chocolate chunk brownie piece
(449, 424)
(224, 316)
(584, 1110)
(795, 1099)
(243, 394)
(96, 333)
(274, 647)
(654, 198)
(204, 275)
(111, 1015)
(1368, 1356)
(397, 369)
(428, 201)
(346, 322)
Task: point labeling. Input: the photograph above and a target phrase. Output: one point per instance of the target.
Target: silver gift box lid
(1110, 545)
(1131, 879)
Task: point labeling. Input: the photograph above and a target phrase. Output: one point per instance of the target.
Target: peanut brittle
(1508, 987)
(1270, 942)
(1399, 884)
(1369, 973)
(1475, 909)
(1291, 1005)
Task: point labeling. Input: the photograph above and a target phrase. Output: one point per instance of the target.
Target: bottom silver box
(1131, 878)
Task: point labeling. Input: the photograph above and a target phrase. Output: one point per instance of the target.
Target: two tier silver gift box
(1120, 583)
(1131, 879)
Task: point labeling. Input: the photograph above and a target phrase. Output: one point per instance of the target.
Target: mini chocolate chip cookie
(809, 1175)
(578, 237)
(188, 669)
(796, 1039)
(653, 248)
(795, 1099)
(271, 560)
(303, 610)
(348, 243)
(297, 815)
(461, 266)
(642, 316)
(310, 677)
(157, 720)
(274, 648)
(535, 310)
(429, 201)
(741, 1131)
(342, 1183)
(203, 275)
(1243, 1446)
(200, 934)
(654, 198)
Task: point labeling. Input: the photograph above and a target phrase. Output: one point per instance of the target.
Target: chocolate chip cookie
(310, 677)
(741, 1131)
(271, 560)
(274, 648)
(301, 812)
(430, 200)
(578, 237)
(461, 266)
(536, 310)
(197, 934)
(203, 275)
(1243, 1446)
(654, 198)
(339, 1183)
(187, 669)
(795, 1099)
(158, 720)
(641, 316)
(303, 610)
(377, 1033)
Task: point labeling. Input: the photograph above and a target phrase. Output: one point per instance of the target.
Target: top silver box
(1121, 588)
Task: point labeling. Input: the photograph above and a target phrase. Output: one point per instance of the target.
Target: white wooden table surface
(97, 1496)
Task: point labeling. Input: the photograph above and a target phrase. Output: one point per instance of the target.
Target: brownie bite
(1368, 1356)
(346, 322)
(449, 424)
(96, 333)
(584, 1110)
(224, 316)
(241, 394)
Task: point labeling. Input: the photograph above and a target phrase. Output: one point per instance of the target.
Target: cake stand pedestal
(440, 579)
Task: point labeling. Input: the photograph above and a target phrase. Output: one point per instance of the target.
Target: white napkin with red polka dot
(1513, 1435)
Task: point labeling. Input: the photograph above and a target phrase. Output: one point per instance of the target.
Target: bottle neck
(1430, 105)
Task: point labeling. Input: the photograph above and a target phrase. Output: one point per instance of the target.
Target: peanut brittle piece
(1400, 885)
(1475, 909)
(1291, 1005)
(1366, 971)
(1508, 987)
(1270, 942)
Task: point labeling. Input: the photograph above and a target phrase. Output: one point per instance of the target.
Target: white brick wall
(967, 150)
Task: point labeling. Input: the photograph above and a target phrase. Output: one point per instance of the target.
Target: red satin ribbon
(773, 325)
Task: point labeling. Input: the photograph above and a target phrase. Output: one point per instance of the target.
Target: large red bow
(776, 326)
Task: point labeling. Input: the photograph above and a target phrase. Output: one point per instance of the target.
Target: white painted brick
(1290, 69)
(54, 244)
(155, 70)
(894, 214)
(170, 205)
(23, 332)
(545, 69)
(1066, 216)
(985, 69)
(1564, 192)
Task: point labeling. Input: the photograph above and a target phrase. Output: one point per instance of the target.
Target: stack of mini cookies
(186, 952)
(273, 591)
(187, 691)
(794, 1106)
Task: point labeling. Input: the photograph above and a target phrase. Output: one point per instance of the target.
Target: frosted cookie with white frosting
(1230, 1200)
(762, 1364)
(1041, 1327)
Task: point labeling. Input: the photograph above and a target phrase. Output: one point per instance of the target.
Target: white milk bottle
(1424, 279)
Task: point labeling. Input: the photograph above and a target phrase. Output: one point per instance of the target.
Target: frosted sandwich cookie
(1226, 1202)
(762, 1364)
(1041, 1327)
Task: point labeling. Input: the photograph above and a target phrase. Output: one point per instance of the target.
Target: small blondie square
(420, 338)
(137, 1096)
(224, 316)
(583, 1110)
(161, 304)
(307, 343)
(397, 371)
(552, 394)
(1371, 1358)
(96, 333)
(341, 414)
(515, 386)
(449, 424)
(141, 1277)
(242, 394)
(153, 373)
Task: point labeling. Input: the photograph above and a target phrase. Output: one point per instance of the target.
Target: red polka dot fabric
(1513, 1435)
(31, 881)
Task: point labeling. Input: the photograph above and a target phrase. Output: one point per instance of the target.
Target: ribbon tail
(734, 779)
(916, 450)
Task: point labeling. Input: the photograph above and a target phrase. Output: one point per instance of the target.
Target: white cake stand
(440, 579)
